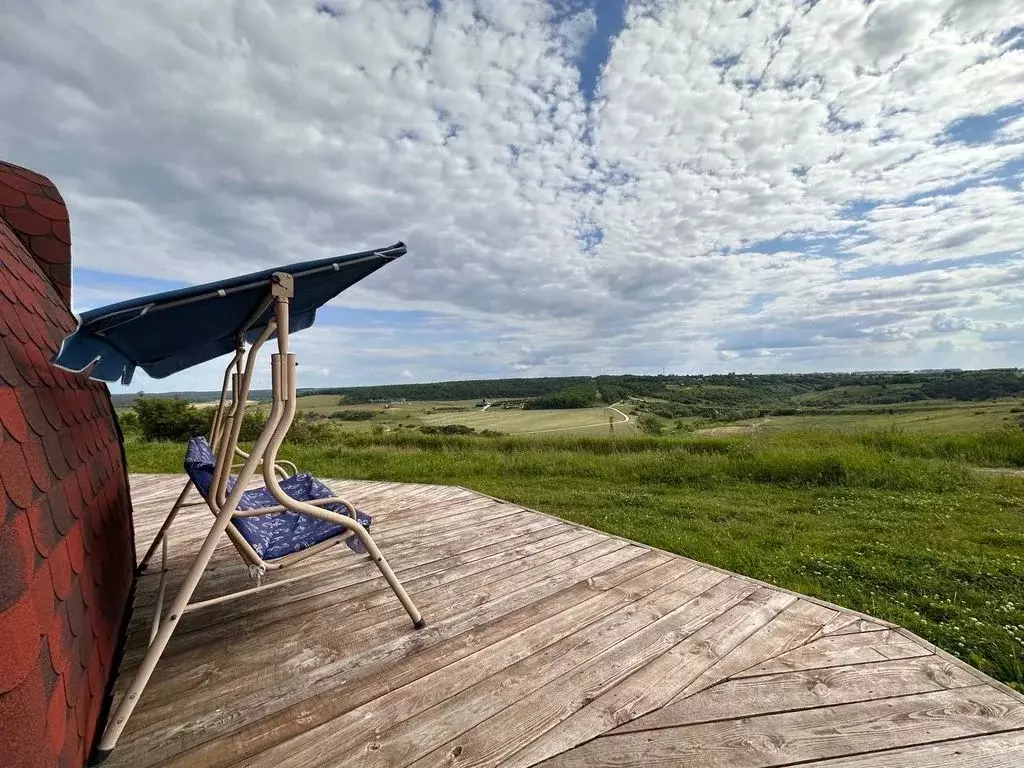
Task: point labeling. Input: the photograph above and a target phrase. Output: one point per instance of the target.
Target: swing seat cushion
(274, 534)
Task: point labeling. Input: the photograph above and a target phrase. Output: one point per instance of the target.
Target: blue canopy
(168, 332)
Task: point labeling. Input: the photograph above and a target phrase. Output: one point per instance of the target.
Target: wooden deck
(547, 643)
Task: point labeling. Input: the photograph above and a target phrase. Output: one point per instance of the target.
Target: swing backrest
(200, 464)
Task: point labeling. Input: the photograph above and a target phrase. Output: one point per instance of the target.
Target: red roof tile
(23, 715)
(60, 511)
(43, 598)
(11, 196)
(37, 465)
(62, 232)
(60, 570)
(29, 174)
(56, 721)
(48, 208)
(19, 637)
(58, 640)
(33, 412)
(16, 479)
(75, 608)
(26, 221)
(55, 455)
(76, 548)
(15, 181)
(11, 415)
(44, 532)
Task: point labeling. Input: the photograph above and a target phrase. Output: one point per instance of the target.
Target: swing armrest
(279, 468)
(312, 502)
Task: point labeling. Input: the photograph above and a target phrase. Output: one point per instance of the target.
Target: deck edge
(927, 644)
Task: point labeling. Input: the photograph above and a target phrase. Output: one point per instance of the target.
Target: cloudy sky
(585, 186)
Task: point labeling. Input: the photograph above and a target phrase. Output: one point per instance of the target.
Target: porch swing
(294, 516)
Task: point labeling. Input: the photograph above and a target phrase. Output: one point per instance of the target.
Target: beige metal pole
(163, 528)
(225, 451)
(286, 367)
(215, 424)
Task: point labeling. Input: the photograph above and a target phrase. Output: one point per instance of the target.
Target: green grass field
(590, 421)
(575, 421)
(897, 524)
(933, 418)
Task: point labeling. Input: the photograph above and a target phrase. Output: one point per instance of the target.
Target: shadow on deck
(546, 643)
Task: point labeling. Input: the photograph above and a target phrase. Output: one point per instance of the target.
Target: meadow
(914, 516)
(431, 413)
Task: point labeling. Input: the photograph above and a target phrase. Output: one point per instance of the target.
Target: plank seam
(756, 715)
(813, 760)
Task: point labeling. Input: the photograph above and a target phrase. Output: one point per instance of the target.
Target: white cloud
(797, 181)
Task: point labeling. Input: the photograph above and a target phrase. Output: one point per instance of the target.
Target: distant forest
(732, 389)
(672, 396)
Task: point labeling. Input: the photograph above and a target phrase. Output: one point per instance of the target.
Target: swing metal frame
(262, 460)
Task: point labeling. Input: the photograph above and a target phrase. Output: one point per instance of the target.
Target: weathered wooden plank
(792, 628)
(1004, 750)
(749, 696)
(314, 635)
(331, 574)
(506, 718)
(351, 730)
(841, 650)
(227, 571)
(654, 684)
(396, 496)
(790, 737)
(254, 613)
(191, 529)
(298, 724)
(343, 569)
(165, 728)
(403, 743)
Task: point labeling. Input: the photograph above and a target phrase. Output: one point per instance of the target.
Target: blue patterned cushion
(200, 463)
(275, 534)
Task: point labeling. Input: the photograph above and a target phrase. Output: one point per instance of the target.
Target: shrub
(353, 415)
(252, 425)
(650, 425)
(129, 421)
(168, 418)
(175, 420)
(448, 429)
(306, 432)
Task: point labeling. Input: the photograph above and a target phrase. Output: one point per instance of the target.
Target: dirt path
(625, 420)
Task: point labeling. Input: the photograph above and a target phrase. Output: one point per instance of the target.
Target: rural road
(625, 420)
(625, 416)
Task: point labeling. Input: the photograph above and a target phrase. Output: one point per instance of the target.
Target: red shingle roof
(66, 543)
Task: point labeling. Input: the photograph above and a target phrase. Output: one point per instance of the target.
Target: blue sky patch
(611, 18)
(982, 129)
